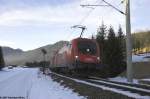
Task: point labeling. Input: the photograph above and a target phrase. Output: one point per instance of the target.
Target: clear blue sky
(29, 24)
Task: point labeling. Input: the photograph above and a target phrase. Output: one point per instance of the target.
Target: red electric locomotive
(81, 55)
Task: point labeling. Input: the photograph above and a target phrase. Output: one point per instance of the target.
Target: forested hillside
(141, 42)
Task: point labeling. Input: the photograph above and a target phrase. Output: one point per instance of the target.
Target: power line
(108, 4)
(92, 9)
(87, 15)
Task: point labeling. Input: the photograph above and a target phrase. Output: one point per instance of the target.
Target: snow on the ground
(147, 79)
(29, 84)
(122, 79)
(127, 93)
(8, 73)
(140, 57)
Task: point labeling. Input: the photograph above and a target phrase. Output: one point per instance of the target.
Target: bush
(38, 64)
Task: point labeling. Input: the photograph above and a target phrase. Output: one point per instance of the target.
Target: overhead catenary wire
(84, 17)
(88, 13)
(113, 7)
(110, 10)
(91, 10)
(93, 7)
(106, 4)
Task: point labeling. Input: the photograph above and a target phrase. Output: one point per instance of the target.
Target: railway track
(143, 90)
(139, 89)
(142, 86)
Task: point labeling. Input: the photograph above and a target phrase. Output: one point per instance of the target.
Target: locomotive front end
(87, 54)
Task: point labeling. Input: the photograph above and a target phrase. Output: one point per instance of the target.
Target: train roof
(79, 38)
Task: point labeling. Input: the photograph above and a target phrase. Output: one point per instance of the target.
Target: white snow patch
(27, 83)
(147, 79)
(140, 57)
(123, 79)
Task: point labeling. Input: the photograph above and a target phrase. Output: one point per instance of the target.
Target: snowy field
(25, 83)
(141, 58)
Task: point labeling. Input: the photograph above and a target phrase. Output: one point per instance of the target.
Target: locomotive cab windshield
(87, 47)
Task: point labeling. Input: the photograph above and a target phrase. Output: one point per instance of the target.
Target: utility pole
(128, 43)
(128, 35)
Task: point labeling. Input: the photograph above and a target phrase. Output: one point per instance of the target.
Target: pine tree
(112, 50)
(111, 47)
(1, 59)
(109, 52)
(121, 44)
(101, 33)
(115, 52)
(120, 33)
(121, 50)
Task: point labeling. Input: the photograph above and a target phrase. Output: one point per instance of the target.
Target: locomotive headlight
(98, 58)
(76, 57)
